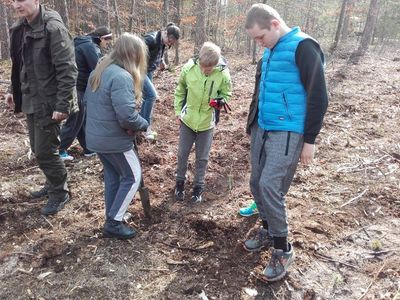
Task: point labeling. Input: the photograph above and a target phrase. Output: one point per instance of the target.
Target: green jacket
(48, 76)
(194, 91)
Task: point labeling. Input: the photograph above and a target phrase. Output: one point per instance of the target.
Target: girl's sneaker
(88, 153)
(65, 156)
(150, 135)
(249, 210)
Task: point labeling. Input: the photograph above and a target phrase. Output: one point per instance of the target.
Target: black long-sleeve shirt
(309, 60)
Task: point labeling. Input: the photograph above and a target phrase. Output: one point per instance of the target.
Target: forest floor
(344, 209)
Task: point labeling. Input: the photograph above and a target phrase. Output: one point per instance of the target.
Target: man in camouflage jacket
(42, 86)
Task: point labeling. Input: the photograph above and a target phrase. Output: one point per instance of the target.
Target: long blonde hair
(130, 53)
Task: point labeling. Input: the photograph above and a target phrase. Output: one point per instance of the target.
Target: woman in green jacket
(204, 87)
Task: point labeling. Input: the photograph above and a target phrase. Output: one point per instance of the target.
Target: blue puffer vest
(282, 98)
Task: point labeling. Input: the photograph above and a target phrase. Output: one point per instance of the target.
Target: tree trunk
(200, 26)
(209, 23)
(367, 33)
(61, 7)
(347, 20)
(76, 25)
(4, 35)
(166, 12)
(308, 17)
(165, 22)
(117, 23)
(131, 17)
(108, 14)
(248, 45)
(176, 18)
(218, 9)
(223, 35)
(339, 26)
(254, 61)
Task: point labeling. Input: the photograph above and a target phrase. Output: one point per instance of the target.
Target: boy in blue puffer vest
(286, 114)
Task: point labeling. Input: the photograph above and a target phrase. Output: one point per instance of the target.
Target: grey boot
(54, 205)
(261, 240)
(279, 263)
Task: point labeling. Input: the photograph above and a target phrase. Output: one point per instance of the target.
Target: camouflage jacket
(49, 73)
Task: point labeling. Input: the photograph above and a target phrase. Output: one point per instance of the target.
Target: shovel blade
(145, 199)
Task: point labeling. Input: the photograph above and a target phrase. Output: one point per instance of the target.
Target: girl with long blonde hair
(111, 118)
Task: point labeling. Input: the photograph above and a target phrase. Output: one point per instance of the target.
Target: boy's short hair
(262, 15)
(209, 54)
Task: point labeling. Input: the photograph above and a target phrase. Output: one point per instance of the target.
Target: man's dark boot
(180, 190)
(116, 229)
(40, 193)
(196, 194)
(53, 205)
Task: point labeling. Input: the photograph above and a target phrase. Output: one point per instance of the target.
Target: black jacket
(154, 45)
(253, 111)
(87, 54)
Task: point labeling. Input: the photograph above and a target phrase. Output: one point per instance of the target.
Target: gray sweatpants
(274, 158)
(202, 142)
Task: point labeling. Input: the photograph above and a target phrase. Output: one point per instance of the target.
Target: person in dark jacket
(156, 42)
(286, 115)
(87, 53)
(111, 121)
(43, 79)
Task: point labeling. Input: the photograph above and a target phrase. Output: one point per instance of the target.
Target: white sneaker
(150, 135)
(65, 156)
(89, 154)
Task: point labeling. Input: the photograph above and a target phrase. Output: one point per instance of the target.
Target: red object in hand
(219, 103)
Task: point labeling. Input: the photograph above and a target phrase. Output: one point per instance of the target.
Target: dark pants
(74, 127)
(44, 144)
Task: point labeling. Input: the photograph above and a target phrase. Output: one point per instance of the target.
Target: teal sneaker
(249, 210)
(65, 156)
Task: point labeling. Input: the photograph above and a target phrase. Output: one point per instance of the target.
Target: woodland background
(332, 22)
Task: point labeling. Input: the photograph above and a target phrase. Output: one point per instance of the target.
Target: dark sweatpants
(74, 127)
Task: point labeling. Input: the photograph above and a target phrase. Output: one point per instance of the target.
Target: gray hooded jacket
(111, 112)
